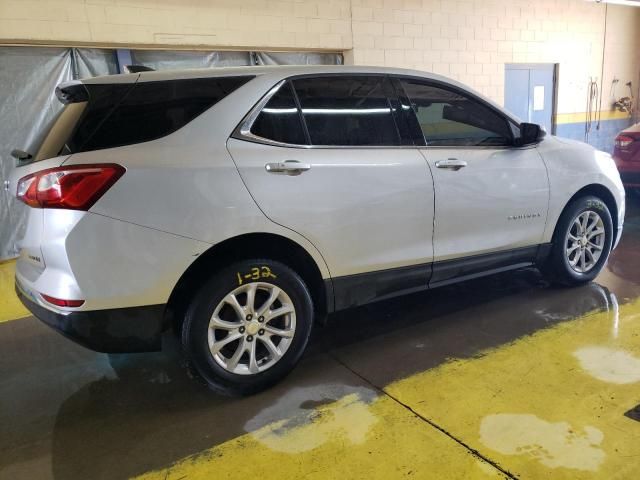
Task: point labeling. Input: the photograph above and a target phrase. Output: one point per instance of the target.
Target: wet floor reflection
(68, 413)
(550, 403)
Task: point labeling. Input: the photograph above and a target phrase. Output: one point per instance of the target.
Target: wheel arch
(250, 245)
(549, 260)
(602, 192)
(597, 190)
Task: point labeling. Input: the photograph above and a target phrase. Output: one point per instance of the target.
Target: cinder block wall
(472, 40)
(282, 24)
(468, 40)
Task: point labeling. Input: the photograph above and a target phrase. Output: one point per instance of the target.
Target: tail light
(623, 141)
(75, 187)
(62, 303)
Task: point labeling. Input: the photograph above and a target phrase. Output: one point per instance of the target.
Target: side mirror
(530, 133)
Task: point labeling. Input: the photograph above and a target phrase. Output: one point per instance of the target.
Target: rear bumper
(120, 330)
(630, 178)
(629, 171)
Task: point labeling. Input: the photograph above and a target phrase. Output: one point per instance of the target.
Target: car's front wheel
(248, 326)
(581, 243)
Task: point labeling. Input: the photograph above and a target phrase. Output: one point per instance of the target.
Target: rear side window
(347, 110)
(280, 119)
(153, 110)
(125, 114)
(450, 118)
(103, 99)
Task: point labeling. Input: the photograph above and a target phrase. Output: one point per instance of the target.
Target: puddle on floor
(609, 364)
(552, 444)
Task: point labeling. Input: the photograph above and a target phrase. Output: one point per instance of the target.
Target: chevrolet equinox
(235, 205)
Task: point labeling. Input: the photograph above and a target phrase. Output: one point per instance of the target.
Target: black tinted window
(343, 110)
(280, 119)
(126, 114)
(102, 101)
(449, 118)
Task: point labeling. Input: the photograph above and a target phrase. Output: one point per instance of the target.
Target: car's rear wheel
(581, 243)
(248, 326)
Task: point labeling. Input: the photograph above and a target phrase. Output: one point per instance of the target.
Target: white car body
(376, 221)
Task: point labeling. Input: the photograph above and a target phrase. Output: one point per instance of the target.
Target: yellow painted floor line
(550, 405)
(10, 306)
(351, 438)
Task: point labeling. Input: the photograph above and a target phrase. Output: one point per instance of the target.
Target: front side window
(347, 110)
(450, 118)
(280, 119)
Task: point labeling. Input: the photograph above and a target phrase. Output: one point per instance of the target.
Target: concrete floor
(499, 377)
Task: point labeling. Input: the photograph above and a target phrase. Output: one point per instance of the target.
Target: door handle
(288, 167)
(451, 164)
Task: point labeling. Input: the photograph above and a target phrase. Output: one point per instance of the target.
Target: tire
(558, 267)
(222, 367)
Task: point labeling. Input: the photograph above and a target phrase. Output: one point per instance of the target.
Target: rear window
(280, 119)
(124, 114)
(103, 100)
(347, 110)
(59, 129)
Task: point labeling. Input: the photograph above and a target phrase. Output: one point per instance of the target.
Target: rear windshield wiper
(21, 155)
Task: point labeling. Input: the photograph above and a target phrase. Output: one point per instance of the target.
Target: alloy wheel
(251, 328)
(585, 241)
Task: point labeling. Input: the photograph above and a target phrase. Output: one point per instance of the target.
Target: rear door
(490, 197)
(328, 158)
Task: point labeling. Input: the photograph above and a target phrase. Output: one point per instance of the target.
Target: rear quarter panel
(186, 183)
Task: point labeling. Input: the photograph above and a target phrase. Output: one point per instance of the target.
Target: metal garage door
(529, 92)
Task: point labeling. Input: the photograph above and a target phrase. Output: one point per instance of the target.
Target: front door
(336, 171)
(490, 197)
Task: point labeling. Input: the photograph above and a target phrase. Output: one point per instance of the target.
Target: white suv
(238, 204)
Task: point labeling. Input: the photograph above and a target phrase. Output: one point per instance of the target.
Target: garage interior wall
(469, 40)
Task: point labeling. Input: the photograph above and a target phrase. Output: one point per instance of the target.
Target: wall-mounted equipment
(625, 104)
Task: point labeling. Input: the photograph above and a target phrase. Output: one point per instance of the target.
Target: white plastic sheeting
(93, 62)
(29, 75)
(297, 58)
(167, 60)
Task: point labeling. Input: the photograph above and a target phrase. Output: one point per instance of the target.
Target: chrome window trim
(478, 147)
(243, 130)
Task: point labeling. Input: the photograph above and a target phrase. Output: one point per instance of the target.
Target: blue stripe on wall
(602, 139)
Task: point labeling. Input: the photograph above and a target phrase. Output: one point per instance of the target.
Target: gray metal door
(529, 92)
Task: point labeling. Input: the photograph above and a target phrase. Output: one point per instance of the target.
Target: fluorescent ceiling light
(628, 3)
